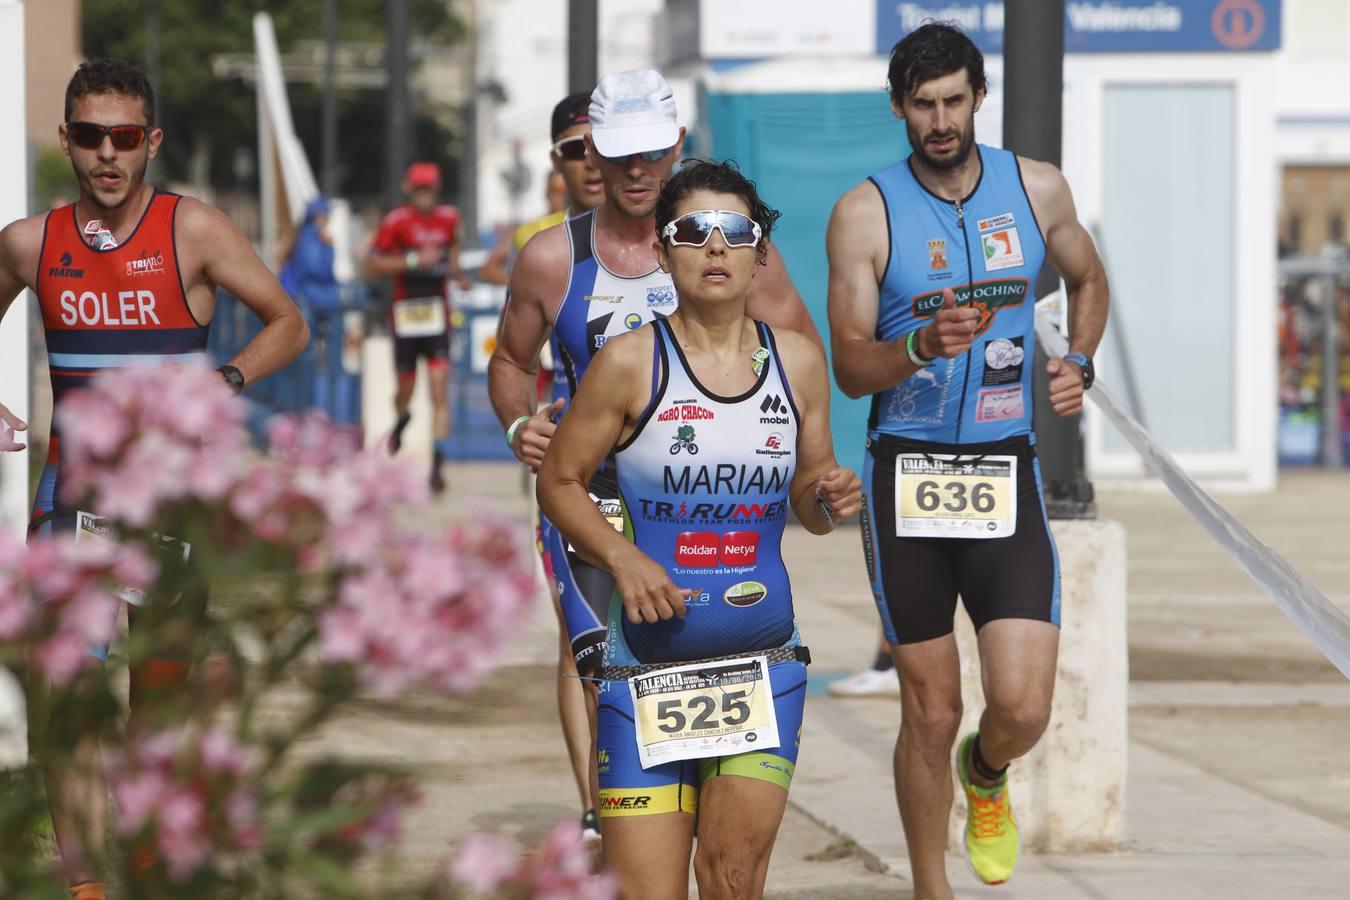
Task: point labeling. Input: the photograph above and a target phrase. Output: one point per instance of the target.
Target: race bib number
(419, 317)
(611, 509)
(704, 709)
(97, 528)
(955, 496)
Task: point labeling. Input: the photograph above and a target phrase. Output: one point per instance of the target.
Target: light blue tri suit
(988, 249)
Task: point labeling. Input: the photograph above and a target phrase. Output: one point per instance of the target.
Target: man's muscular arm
(1070, 250)
(538, 281)
(773, 299)
(225, 257)
(858, 252)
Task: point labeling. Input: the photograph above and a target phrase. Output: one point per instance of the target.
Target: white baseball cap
(633, 112)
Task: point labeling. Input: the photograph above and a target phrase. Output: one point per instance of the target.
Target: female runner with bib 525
(718, 423)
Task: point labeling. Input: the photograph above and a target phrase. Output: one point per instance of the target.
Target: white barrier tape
(1299, 599)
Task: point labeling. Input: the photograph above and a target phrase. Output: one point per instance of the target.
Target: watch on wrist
(411, 259)
(1083, 362)
(233, 378)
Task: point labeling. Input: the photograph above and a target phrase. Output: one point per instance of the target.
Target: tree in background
(207, 118)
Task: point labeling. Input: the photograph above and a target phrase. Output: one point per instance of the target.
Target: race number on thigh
(955, 496)
(704, 709)
(419, 317)
(91, 527)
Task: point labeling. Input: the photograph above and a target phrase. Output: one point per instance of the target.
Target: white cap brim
(625, 140)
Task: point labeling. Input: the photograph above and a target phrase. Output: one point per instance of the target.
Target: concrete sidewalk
(1238, 783)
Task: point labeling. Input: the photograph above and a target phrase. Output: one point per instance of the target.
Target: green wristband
(511, 432)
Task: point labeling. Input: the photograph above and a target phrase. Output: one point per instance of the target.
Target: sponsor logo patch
(631, 321)
(696, 549)
(774, 409)
(686, 412)
(1002, 250)
(993, 222)
(775, 445)
(1003, 359)
(987, 296)
(998, 404)
(745, 593)
(740, 548)
(146, 264)
(660, 296)
(64, 270)
(937, 254)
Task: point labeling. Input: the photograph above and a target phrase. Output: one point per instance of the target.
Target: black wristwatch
(1083, 362)
(233, 377)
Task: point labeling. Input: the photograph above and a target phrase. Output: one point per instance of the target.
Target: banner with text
(1107, 26)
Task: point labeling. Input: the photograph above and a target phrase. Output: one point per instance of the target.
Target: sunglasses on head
(89, 136)
(647, 156)
(693, 229)
(571, 149)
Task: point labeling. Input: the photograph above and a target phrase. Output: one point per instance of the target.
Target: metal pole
(1331, 359)
(152, 56)
(1033, 93)
(583, 40)
(329, 143)
(396, 134)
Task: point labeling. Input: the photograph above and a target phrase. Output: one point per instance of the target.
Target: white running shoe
(867, 683)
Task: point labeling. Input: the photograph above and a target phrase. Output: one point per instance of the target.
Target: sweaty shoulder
(862, 205)
(197, 221)
(1046, 188)
(20, 245)
(802, 359)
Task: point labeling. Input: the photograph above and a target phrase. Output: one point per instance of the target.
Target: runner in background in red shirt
(418, 246)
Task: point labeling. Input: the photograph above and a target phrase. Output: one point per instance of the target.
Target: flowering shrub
(559, 870)
(315, 569)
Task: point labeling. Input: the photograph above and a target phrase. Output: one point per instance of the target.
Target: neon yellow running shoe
(991, 830)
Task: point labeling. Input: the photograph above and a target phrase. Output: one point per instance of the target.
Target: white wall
(14, 370)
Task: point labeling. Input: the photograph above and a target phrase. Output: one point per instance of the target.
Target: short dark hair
(930, 51)
(574, 109)
(724, 178)
(111, 76)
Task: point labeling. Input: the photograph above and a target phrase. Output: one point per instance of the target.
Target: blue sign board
(1105, 26)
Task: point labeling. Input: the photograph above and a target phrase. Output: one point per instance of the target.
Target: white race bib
(91, 527)
(419, 317)
(955, 496)
(704, 709)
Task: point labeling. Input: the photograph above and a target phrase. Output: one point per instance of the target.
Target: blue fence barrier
(326, 376)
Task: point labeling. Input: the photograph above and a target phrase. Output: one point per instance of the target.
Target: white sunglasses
(694, 228)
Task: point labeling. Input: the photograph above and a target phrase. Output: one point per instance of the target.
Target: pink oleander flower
(429, 611)
(139, 438)
(484, 862)
(62, 596)
(559, 870)
(193, 799)
(17, 607)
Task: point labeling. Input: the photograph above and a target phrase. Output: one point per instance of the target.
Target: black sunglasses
(89, 136)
